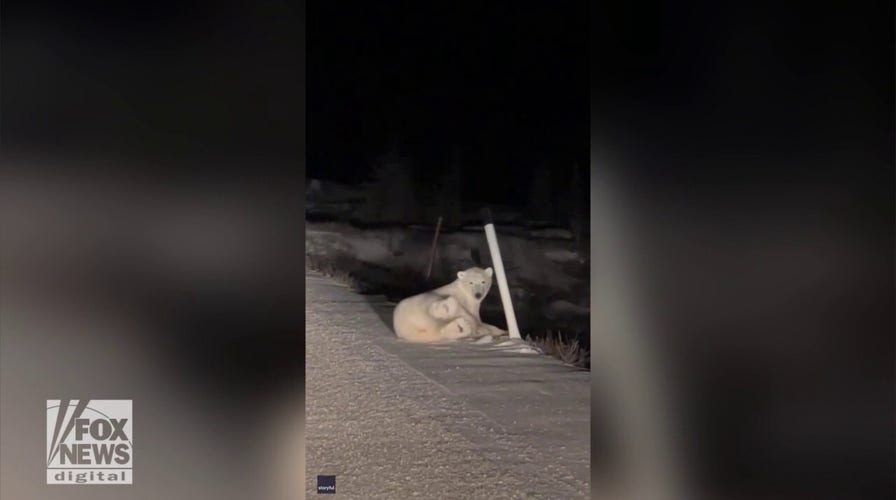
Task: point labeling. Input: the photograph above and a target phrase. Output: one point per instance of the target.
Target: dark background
(157, 108)
(153, 171)
(503, 86)
(191, 85)
(753, 146)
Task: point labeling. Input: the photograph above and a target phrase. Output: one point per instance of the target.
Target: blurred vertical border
(743, 249)
(152, 239)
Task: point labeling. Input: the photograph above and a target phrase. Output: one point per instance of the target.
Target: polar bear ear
(460, 275)
(488, 272)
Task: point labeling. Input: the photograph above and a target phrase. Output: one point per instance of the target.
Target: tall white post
(492, 238)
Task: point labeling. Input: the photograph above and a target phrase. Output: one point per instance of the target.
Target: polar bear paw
(444, 309)
(459, 328)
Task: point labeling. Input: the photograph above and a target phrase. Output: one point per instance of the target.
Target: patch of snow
(561, 255)
(518, 346)
(370, 250)
(533, 268)
(565, 308)
(552, 233)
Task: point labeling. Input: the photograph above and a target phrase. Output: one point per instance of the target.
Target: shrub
(570, 352)
(392, 194)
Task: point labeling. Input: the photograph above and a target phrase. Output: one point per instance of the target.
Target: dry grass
(570, 352)
(338, 267)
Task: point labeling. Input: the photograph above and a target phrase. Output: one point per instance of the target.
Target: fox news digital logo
(89, 441)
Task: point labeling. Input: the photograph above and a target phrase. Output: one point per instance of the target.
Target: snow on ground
(509, 345)
(561, 255)
(547, 271)
(547, 293)
(560, 308)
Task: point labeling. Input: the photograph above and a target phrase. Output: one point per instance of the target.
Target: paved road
(394, 420)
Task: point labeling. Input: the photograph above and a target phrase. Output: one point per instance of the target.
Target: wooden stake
(432, 253)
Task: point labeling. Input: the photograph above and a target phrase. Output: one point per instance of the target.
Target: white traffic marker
(492, 238)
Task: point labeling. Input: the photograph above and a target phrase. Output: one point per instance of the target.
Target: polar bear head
(475, 281)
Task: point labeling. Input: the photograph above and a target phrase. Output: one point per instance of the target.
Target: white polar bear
(447, 313)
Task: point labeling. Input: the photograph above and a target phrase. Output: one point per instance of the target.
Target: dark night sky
(506, 84)
(698, 93)
(688, 86)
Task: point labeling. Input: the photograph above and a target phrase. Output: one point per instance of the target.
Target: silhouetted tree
(541, 202)
(579, 190)
(391, 196)
(449, 196)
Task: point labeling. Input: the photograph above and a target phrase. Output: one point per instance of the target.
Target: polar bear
(447, 313)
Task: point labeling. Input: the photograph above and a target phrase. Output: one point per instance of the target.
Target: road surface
(395, 420)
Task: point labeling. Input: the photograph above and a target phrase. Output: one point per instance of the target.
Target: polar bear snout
(478, 290)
